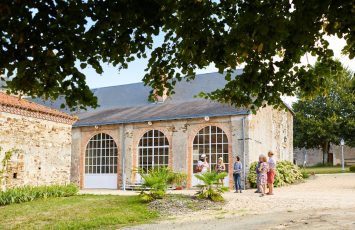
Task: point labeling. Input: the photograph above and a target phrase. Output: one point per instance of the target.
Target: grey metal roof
(129, 103)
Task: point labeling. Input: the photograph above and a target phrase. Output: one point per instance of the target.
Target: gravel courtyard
(324, 201)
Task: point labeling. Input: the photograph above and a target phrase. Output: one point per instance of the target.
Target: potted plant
(179, 180)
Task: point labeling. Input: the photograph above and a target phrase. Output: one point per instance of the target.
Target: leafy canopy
(329, 117)
(46, 44)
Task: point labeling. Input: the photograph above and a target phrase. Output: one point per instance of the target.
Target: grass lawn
(76, 212)
(325, 169)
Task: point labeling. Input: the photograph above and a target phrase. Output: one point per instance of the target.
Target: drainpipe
(123, 150)
(243, 136)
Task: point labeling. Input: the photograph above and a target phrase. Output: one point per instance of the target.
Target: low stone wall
(315, 156)
(43, 150)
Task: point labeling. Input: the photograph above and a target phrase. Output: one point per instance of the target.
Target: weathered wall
(271, 129)
(315, 156)
(268, 130)
(180, 134)
(44, 149)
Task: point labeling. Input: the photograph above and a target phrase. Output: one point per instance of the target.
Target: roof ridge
(17, 103)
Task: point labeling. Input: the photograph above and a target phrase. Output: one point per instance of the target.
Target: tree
(45, 44)
(327, 118)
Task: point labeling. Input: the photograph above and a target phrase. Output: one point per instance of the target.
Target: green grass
(76, 212)
(325, 169)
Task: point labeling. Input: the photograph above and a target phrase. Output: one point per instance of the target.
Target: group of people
(265, 172)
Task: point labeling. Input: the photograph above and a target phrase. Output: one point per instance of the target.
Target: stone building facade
(128, 133)
(39, 139)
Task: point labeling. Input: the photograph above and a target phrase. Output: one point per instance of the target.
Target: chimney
(164, 96)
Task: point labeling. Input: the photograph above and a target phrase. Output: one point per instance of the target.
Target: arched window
(153, 150)
(213, 142)
(101, 155)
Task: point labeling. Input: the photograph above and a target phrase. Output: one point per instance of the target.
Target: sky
(135, 72)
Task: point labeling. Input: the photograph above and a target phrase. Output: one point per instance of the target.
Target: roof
(129, 103)
(16, 105)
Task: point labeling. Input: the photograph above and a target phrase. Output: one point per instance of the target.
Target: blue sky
(135, 72)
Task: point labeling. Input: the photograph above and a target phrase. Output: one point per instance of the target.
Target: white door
(213, 142)
(101, 162)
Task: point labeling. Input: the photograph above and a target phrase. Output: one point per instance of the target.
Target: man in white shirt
(271, 173)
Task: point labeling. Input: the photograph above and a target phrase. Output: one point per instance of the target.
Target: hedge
(29, 193)
(286, 173)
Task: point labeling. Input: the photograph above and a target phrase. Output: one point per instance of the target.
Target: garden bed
(173, 205)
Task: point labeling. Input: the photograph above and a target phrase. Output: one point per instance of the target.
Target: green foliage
(211, 188)
(252, 174)
(155, 183)
(329, 117)
(30, 193)
(5, 162)
(45, 45)
(77, 212)
(286, 173)
(179, 179)
(352, 168)
(305, 174)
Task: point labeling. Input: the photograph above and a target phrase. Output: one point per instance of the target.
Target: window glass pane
(152, 149)
(99, 150)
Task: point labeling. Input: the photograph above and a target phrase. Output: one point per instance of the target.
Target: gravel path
(325, 201)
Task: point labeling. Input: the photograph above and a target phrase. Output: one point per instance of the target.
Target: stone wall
(180, 134)
(271, 129)
(43, 150)
(315, 156)
(268, 130)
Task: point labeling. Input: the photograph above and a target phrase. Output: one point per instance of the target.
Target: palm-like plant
(155, 183)
(211, 187)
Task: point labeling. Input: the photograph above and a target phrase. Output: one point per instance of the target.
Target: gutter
(159, 119)
(243, 137)
(123, 151)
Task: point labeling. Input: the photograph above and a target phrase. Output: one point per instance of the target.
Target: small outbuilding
(36, 141)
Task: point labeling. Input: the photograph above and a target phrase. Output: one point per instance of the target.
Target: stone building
(128, 132)
(311, 157)
(39, 139)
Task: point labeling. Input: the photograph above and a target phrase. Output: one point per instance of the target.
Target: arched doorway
(213, 142)
(101, 162)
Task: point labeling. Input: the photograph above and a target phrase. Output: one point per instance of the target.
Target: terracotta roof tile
(32, 109)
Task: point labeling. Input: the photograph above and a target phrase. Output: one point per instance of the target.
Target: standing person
(263, 174)
(202, 164)
(257, 176)
(271, 173)
(220, 167)
(237, 174)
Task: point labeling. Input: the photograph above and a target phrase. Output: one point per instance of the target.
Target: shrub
(352, 168)
(155, 183)
(29, 193)
(211, 188)
(179, 179)
(305, 174)
(286, 173)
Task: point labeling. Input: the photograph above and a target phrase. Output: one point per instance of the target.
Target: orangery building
(127, 132)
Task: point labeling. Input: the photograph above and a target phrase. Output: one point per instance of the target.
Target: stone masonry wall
(268, 130)
(315, 156)
(43, 150)
(271, 129)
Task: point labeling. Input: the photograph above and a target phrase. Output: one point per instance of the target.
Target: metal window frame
(196, 146)
(101, 155)
(159, 151)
